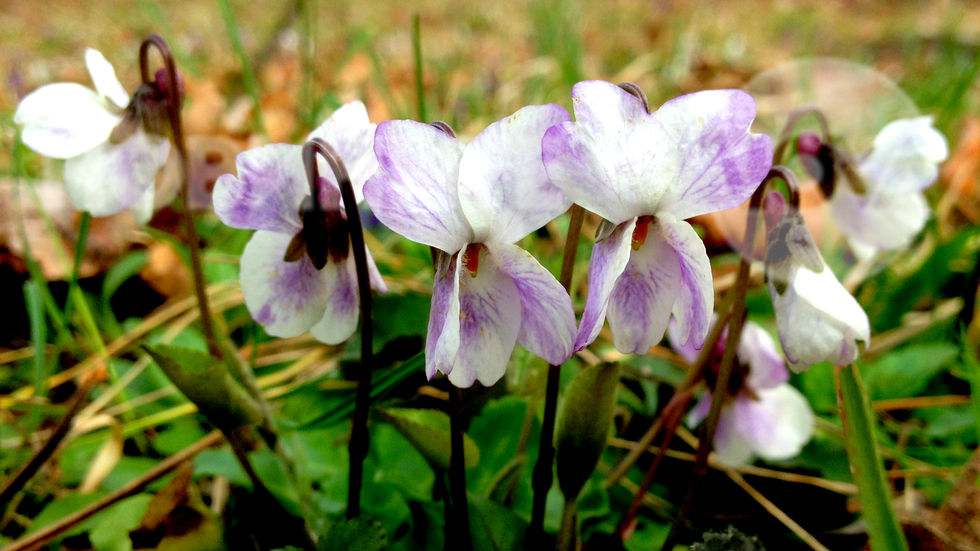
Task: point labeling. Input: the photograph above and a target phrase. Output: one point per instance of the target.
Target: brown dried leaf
(955, 526)
(165, 271)
(959, 175)
(208, 158)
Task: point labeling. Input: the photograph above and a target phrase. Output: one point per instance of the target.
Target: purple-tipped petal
(268, 191)
(777, 425)
(722, 163)
(112, 178)
(695, 295)
(609, 259)
(285, 298)
(64, 120)
(442, 341)
(878, 221)
(377, 281)
(547, 317)
(615, 160)
(489, 322)
(414, 191)
(757, 350)
(349, 131)
(339, 320)
(504, 190)
(905, 157)
(104, 78)
(731, 447)
(644, 295)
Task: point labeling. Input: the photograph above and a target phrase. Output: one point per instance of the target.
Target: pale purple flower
(646, 173)
(290, 297)
(768, 417)
(903, 161)
(106, 172)
(473, 202)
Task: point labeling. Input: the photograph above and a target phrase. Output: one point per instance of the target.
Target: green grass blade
(884, 530)
(251, 83)
(417, 46)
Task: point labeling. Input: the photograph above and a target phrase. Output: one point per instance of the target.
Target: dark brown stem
(359, 433)
(792, 121)
(193, 245)
(457, 529)
(43, 454)
(727, 360)
(48, 533)
(543, 475)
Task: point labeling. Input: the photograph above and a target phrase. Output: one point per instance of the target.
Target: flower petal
(111, 178)
(64, 120)
(285, 298)
(142, 209)
(339, 319)
(104, 78)
(489, 322)
(878, 221)
(778, 424)
(442, 341)
(905, 156)
(695, 296)
(414, 191)
(722, 163)
(615, 160)
(757, 350)
(731, 447)
(504, 190)
(374, 276)
(818, 320)
(609, 259)
(350, 132)
(267, 193)
(547, 317)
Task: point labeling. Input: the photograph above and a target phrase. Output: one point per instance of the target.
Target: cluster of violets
(643, 172)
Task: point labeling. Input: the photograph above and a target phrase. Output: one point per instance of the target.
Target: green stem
(884, 531)
(458, 530)
(568, 534)
(417, 46)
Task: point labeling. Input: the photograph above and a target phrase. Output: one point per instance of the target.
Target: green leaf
(884, 532)
(585, 418)
(357, 533)
(110, 530)
(206, 382)
(60, 508)
(906, 372)
(428, 431)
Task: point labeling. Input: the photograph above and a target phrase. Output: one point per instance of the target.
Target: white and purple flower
(472, 203)
(766, 416)
(289, 296)
(646, 173)
(110, 162)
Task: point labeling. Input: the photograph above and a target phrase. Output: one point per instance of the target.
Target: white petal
(757, 350)
(111, 178)
(442, 341)
(878, 221)
(778, 424)
(104, 78)
(342, 305)
(731, 447)
(504, 190)
(350, 132)
(285, 298)
(414, 191)
(609, 259)
(547, 316)
(64, 120)
(267, 193)
(615, 160)
(695, 292)
(142, 209)
(905, 156)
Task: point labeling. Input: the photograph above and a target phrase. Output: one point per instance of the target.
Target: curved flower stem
(543, 476)
(792, 121)
(728, 356)
(457, 529)
(359, 435)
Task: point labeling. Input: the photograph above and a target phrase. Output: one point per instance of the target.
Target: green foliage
(358, 533)
(907, 372)
(428, 431)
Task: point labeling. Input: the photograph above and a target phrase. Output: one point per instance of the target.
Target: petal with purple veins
(778, 424)
(757, 350)
(64, 120)
(695, 293)
(414, 192)
(547, 318)
(722, 163)
(267, 193)
(504, 190)
(442, 341)
(609, 259)
(342, 303)
(350, 132)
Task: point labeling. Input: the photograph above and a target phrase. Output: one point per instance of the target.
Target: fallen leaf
(165, 271)
(208, 157)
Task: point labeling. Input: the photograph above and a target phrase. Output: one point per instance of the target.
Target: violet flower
(472, 203)
(112, 146)
(646, 173)
(285, 290)
(765, 415)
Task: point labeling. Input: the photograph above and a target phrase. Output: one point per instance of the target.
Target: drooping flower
(892, 209)
(289, 289)
(646, 173)
(817, 319)
(765, 416)
(472, 203)
(112, 146)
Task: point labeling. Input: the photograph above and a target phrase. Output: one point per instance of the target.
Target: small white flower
(68, 121)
